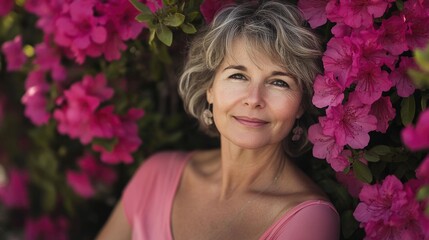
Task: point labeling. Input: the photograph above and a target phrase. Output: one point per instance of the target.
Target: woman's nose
(254, 96)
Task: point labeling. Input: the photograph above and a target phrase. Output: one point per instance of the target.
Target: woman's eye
(280, 83)
(238, 76)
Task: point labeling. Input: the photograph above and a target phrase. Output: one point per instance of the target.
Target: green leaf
(49, 196)
(107, 144)
(192, 15)
(151, 36)
(424, 101)
(362, 171)
(423, 193)
(400, 4)
(168, 2)
(420, 79)
(422, 58)
(164, 34)
(381, 150)
(141, 7)
(408, 110)
(145, 17)
(371, 156)
(174, 20)
(188, 28)
(348, 223)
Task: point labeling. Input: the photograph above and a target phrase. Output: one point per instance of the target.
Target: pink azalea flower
(371, 83)
(97, 87)
(400, 78)
(47, 228)
(49, 59)
(384, 112)
(97, 171)
(372, 52)
(327, 91)
(350, 182)
(361, 13)
(121, 17)
(78, 116)
(113, 47)
(80, 30)
(333, 12)
(340, 162)
(105, 123)
(341, 30)
(417, 138)
(153, 5)
(128, 140)
(417, 18)
(6, 7)
(349, 123)
(14, 193)
(80, 183)
(34, 98)
(342, 58)
(422, 172)
(388, 209)
(15, 57)
(324, 145)
(209, 8)
(48, 12)
(74, 117)
(90, 173)
(314, 11)
(392, 37)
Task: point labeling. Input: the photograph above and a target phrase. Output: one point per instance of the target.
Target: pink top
(148, 200)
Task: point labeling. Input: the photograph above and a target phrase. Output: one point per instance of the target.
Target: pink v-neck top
(148, 199)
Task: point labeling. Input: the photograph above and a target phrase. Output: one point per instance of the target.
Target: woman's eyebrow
(274, 73)
(237, 67)
(279, 73)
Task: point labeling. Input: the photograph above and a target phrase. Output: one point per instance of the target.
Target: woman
(248, 79)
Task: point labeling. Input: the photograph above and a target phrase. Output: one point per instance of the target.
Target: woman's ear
(300, 113)
(209, 95)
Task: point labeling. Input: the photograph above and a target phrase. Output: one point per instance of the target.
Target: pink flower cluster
(90, 174)
(209, 8)
(80, 115)
(13, 194)
(87, 27)
(6, 7)
(362, 59)
(14, 54)
(389, 211)
(34, 98)
(47, 59)
(417, 137)
(47, 228)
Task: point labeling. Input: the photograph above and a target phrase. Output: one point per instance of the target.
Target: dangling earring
(297, 132)
(208, 116)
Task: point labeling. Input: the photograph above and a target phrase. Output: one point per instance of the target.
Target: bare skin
(202, 210)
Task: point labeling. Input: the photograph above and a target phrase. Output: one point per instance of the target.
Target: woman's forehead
(242, 48)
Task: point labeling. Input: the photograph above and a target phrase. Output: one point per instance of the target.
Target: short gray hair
(273, 28)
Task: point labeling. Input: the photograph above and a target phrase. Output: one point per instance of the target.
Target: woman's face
(255, 101)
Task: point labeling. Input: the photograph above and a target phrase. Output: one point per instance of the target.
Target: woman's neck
(248, 170)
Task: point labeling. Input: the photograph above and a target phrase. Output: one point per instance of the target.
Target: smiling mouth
(250, 122)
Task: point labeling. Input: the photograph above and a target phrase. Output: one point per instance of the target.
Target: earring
(297, 132)
(208, 116)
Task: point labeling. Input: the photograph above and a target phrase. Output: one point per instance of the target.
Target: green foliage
(421, 76)
(408, 110)
(162, 23)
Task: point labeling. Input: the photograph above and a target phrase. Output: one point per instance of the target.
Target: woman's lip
(251, 122)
